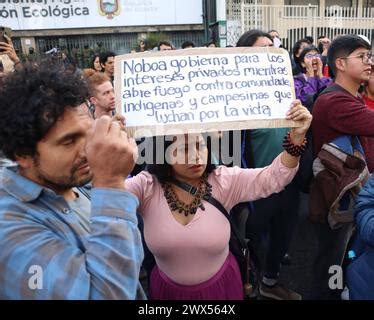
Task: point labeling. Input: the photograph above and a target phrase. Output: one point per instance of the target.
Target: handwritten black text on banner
(204, 88)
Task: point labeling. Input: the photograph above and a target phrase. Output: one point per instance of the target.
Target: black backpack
(304, 175)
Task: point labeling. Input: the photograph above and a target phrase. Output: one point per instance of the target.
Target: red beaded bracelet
(293, 149)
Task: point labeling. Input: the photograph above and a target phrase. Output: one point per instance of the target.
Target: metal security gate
(295, 22)
(82, 48)
(177, 38)
(292, 22)
(234, 19)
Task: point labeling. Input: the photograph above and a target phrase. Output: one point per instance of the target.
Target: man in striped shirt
(56, 240)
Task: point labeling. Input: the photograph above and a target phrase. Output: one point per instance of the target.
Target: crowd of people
(73, 204)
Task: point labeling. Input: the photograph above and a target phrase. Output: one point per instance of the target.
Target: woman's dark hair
(310, 39)
(342, 47)
(92, 66)
(249, 38)
(164, 171)
(146, 45)
(165, 43)
(187, 44)
(32, 99)
(104, 56)
(297, 47)
(297, 68)
(209, 43)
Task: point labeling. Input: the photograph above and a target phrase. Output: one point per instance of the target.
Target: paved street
(298, 275)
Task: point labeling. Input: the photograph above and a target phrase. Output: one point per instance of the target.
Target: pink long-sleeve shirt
(193, 253)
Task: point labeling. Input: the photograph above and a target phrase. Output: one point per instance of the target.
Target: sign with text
(204, 89)
(65, 14)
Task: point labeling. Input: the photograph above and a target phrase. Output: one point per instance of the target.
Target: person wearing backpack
(341, 112)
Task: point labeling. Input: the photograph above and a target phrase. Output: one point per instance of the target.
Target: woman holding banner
(188, 236)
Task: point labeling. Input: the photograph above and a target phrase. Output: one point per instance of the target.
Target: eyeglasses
(366, 58)
(312, 56)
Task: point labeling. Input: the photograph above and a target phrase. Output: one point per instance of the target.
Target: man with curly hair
(58, 240)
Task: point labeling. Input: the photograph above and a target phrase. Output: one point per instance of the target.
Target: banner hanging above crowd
(65, 14)
(204, 89)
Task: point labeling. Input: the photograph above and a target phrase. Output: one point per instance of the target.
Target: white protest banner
(197, 90)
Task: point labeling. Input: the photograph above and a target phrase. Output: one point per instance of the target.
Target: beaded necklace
(204, 189)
